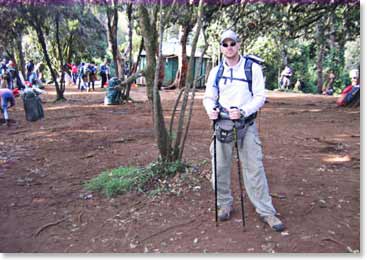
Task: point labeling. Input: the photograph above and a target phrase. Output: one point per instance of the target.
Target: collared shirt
(236, 93)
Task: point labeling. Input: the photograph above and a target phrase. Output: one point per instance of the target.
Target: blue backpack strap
(218, 76)
(248, 73)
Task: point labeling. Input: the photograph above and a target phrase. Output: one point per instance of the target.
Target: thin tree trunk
(159, 124)
(319, 68)
(183, 59)
(284, 53)
(149, 33)
(61, 88)
(21, 66)
(141, 47)
(189, 81)
(42, 41)
(320, 56)
(112, 23)
(181, 73)
(70, 48)
(129, 16)
(187, 127)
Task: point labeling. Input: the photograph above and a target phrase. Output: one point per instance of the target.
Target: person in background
(74, 73)
(92, 71)
(351, 90)
(104, 73)
(81, 76)
(4, 74)
(7, 101)
(285, 78)
(29, 69)
(13, 74)
(328, 89)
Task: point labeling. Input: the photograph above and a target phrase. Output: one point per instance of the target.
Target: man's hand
(234, 113)
(213, 115)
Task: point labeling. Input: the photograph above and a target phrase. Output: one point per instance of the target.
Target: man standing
(104, 73)
(29, 68)
(6, 96)
(231, 94)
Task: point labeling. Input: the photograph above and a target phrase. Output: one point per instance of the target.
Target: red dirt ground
(312, 157)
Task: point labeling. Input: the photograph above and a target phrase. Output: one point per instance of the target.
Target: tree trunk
(149, 34)
(21, 60)
(159, 124)
(187, 127)
(319, 66)
(112, 23)
(180, 136)
(42, 41)
(183, 58)
(320, 55)
(136, 65)
(129, 12)
(70, 49)
(130, 26)
(181, 73)
(61, 89)
(284, 52)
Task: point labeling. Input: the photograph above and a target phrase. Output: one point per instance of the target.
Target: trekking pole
(239, 175)
(215, 173)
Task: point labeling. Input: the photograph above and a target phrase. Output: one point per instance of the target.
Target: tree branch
(129, 80)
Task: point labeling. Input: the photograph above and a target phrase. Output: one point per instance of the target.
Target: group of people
(85, 74)
(9, 75)
(13, 84)
(12, 78)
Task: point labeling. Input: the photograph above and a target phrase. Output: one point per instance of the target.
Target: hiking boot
(273, 222)
(224, 213)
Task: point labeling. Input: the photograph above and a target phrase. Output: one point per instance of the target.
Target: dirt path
(311, 157)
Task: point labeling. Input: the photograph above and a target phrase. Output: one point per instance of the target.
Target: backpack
(249, 60)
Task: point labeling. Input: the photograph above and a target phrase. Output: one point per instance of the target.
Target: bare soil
(311, 156)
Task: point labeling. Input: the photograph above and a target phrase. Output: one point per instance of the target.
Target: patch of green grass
(125, 179)
(117, 181)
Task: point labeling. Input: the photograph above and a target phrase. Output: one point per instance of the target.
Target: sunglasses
(225, 45)
(354, 78)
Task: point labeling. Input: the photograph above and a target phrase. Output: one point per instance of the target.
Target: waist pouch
(224, 129)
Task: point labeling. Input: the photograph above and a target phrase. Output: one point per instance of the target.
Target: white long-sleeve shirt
(235, 92)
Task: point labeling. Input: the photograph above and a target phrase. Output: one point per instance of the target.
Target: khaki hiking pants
(251, 157)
